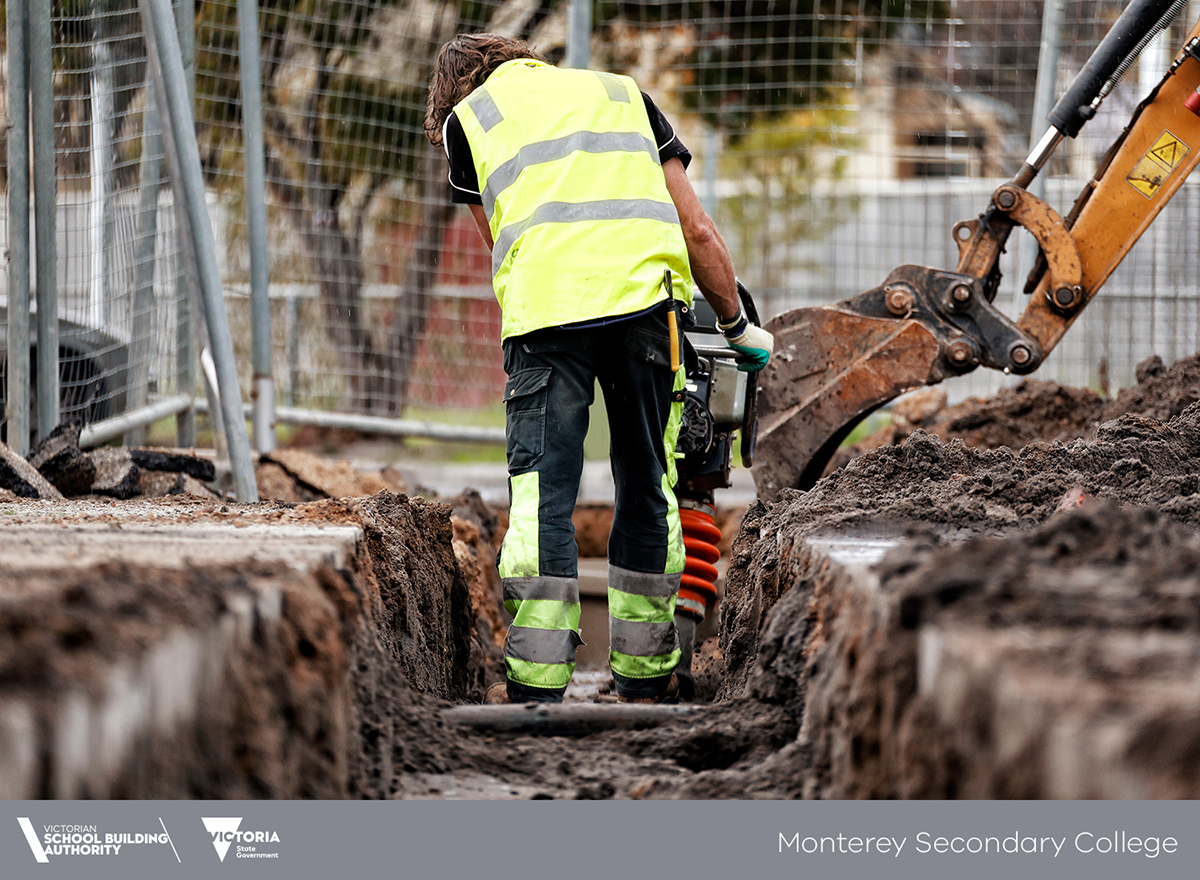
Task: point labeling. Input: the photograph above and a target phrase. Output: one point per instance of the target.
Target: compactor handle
(749, 432)
(1136, 26)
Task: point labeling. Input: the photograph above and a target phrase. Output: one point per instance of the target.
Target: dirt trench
(1033, 633)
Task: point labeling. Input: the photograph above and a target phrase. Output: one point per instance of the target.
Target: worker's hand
(754, 343)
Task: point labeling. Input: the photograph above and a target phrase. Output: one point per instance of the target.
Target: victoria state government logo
(226, 833)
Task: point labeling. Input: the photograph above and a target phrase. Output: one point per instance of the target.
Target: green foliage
(370, 124)
(356, 118)
(474, 15)
(771, 56)
(778, 160)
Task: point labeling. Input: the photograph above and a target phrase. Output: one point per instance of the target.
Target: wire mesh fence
(831, 141)
(380, 304)
(117, 268)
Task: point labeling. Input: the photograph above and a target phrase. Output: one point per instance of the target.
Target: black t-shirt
(464, 182)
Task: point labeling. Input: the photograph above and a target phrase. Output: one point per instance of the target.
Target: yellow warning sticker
(1160, 160)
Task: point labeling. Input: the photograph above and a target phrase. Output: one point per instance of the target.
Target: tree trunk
(410, 314)
(337, 264)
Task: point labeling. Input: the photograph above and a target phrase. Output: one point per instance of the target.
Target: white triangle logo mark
(219, 828)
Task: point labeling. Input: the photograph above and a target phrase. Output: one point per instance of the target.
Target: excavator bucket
(831, 369)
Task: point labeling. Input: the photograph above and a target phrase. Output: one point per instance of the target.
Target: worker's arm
(712, 269)
(481, 221)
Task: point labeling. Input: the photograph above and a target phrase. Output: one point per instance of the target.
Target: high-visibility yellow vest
(582, 223)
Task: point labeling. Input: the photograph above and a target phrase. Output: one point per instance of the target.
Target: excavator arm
(834, 365)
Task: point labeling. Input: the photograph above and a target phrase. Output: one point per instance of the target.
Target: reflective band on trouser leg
(540, 649)
(519, 553)
(690, 603)
(676, 555)
(641, 626)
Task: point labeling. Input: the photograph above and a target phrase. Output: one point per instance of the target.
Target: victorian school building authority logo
(86, 840)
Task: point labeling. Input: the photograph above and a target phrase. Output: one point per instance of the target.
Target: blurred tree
(777, 164)
(756, 57)
(336, 134)
(344, 86)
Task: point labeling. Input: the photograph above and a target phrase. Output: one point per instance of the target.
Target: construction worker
(577, 183)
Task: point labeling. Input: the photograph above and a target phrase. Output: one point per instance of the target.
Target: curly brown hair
(462, 65)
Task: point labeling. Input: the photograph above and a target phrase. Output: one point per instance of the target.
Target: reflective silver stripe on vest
(485, 109)
(641, 639)
(559, 148)
(556, 589)
(541, 645)
(615, 88)
(575, 212)
(641, 583)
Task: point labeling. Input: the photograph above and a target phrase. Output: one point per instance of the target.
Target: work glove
(754, 344)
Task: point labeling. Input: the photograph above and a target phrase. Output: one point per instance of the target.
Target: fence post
(149, 187)
(183, 154)
(579, 34)
(102, 170)
(45, 208)
(1043, 101)
(292, 347)
(263, 387)
(185, 332)
(1047, 80)
(16, 400)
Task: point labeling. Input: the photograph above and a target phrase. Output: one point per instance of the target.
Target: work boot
(685, 626)
(670, 695)
(497, 694)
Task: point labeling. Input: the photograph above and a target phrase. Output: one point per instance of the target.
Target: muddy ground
(1034, 633)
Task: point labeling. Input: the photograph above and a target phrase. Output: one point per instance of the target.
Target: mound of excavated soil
(1035, 634)
(1034, 410)
(953, 487)
(1063, 662)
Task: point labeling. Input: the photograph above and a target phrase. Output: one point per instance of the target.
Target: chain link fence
(831, 142)
(116, 277)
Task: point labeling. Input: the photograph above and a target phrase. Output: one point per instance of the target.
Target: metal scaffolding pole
(149, 187)
(45, 211)
(1047, 80)
(185, 334)
(579, 34)
(263, 388)
(110, 429)
(16, 408)
(183, 154)
(382, 426)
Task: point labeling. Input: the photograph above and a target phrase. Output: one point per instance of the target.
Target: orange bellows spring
(698, 585)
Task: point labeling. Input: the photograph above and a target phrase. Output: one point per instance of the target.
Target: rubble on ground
(322, 477)
(1033, 410)
(57, 467)
(22, 479)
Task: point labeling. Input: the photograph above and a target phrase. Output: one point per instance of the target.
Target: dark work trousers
(552, 376)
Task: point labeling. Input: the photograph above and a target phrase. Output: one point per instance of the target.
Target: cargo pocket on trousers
(525, 417)
(647, 341)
